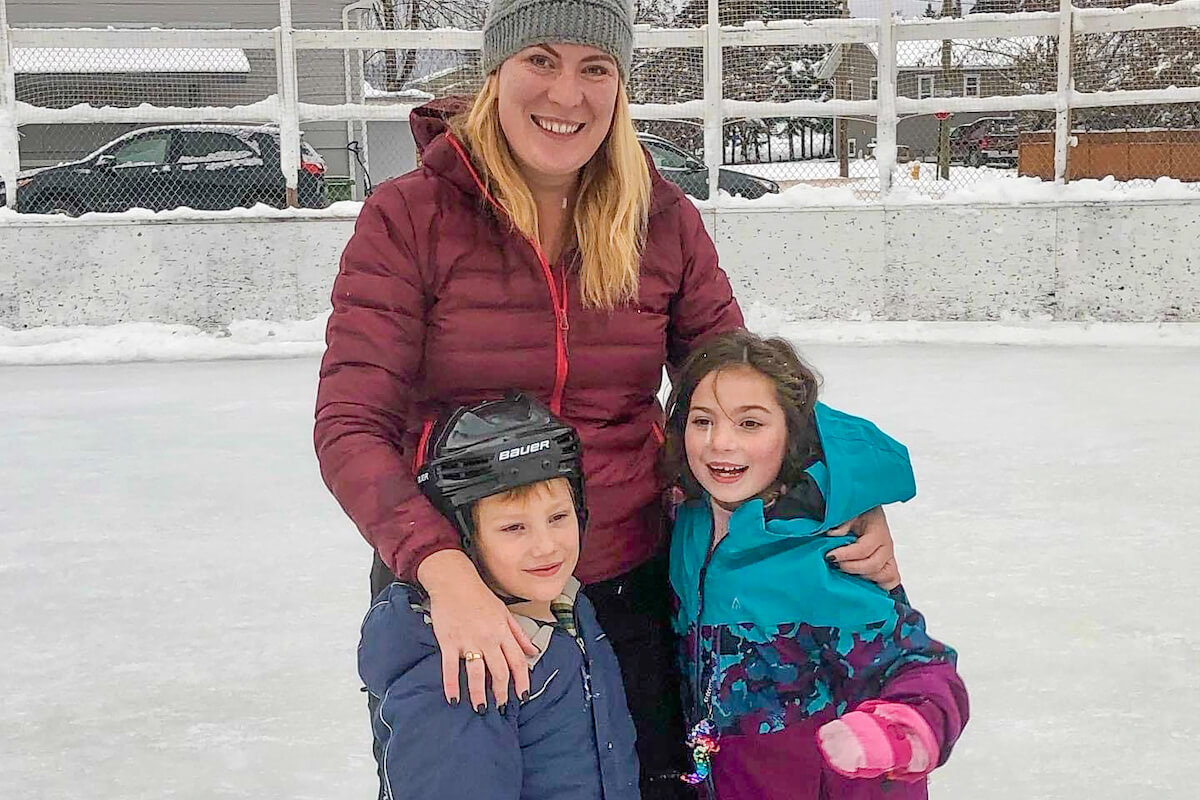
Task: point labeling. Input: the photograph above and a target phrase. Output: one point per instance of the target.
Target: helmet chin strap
(466, 526)
(467, 539)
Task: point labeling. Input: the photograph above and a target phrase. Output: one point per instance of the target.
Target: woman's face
(736, 434)
(556, 106)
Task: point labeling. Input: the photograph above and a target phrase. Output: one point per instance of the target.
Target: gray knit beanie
(513, 25)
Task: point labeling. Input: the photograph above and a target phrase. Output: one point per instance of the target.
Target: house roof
(964, 54)
(927, 54)
(95, 60)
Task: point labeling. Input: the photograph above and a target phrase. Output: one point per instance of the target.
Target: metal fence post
(1062, 117)
(289, 110)
(885, 123)
(714, 145)
(10, 154)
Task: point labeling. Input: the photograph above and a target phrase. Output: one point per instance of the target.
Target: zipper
(558, 301)
(701, 710)
(422, 443)
(712, 550)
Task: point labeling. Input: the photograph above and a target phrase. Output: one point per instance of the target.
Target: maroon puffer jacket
(439, 303)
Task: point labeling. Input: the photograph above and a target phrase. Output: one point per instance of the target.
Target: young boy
(509, 476)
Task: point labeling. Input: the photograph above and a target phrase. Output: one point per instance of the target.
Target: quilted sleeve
(374, 345)
(704, 303)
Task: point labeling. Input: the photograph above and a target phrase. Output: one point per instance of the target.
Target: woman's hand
(873, 555)
(469, 618)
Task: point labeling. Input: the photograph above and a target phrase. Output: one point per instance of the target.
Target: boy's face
(529, 546)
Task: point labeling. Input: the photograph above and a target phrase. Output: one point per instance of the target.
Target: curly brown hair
(796, 386)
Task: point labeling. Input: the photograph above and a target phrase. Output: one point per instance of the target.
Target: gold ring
(472, 656)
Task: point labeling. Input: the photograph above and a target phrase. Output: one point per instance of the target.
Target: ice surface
(181, 596)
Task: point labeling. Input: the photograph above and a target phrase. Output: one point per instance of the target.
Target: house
(924, 69)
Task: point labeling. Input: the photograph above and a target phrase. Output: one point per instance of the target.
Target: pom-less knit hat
(513, 25)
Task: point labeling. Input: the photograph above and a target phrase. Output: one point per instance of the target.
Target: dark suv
(987, 140)
(691, 175)
(199, 166)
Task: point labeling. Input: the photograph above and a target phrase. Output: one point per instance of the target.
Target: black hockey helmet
(494, 446)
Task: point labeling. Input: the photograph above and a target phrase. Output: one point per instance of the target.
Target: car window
(211, 146)
(146, 150)
(666, 157)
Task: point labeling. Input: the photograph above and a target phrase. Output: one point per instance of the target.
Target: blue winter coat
(573, 739)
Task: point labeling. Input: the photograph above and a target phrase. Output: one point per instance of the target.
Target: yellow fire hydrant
(916, 171)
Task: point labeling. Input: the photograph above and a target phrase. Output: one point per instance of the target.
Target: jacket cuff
(406, 570)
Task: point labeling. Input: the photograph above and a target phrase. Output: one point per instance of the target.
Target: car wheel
(976, 158)
(63, 205)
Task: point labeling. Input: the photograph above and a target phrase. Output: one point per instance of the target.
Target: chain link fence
(163, 118)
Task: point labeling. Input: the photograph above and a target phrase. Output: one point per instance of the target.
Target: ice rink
(180, 596)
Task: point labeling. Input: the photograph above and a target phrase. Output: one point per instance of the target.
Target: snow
(411, 95)
(93, 60)
(817, 183)
(222, 155)
(182, 596)
(260, 339)
(261, 111)
(345, 209)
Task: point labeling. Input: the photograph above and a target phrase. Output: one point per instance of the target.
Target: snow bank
(1002, 189)
(257, 339)
(343, 209)
(770, 321)
(147, 341)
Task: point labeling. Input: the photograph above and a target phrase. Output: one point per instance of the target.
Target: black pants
(634, 609)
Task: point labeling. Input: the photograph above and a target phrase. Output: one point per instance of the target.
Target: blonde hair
(612, 205)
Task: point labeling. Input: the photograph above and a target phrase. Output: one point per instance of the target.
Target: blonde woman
(534, 249)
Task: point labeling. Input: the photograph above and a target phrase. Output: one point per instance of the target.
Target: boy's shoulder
(396, 636)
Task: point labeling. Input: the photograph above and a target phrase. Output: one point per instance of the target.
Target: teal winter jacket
(775, 640)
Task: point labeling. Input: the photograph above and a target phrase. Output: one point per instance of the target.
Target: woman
(534, 249)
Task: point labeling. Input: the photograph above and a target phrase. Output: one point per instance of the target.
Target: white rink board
(1134, 261)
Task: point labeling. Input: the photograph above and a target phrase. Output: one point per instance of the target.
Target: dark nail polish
(524, 695)
(829, 557)
(479, 709)
(502, 708)
(453, 701)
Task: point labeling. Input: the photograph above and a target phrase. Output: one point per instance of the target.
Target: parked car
(691, 175)
(199, 166)
(987, 140)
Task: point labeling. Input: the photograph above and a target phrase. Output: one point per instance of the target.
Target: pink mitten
(880, 738)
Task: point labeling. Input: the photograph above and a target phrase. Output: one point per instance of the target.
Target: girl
(802, 681)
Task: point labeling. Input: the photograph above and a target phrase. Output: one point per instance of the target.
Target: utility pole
(950, 8)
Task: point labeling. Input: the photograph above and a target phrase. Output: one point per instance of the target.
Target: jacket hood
(863, 468)
(430, 124)
(433, 119)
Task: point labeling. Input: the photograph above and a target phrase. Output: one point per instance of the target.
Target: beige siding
(191, 14)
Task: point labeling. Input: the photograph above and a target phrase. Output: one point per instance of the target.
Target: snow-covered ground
(181, 596)
(818, 182)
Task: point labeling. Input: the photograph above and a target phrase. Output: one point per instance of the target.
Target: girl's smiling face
(736, 434)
